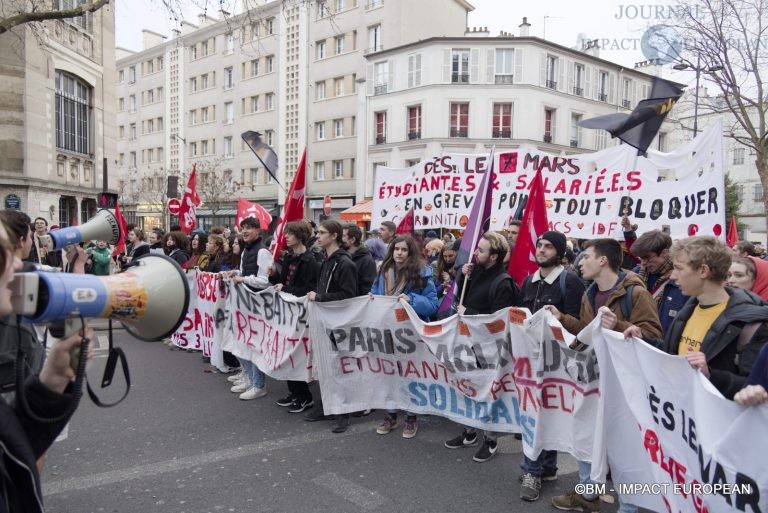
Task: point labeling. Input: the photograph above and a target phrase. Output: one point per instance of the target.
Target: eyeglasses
(322, 231)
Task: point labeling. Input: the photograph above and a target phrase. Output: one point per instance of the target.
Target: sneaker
(285, 401)
(410, 428)
(362, 413)
(575, 502)
(240, 387)
(234, 378)
(340, 424)
(299, 405)
(546, 476)
(486, 451)
(316, 415)
(253, 392)
(531, 487)
(466, 439)
(388, 424)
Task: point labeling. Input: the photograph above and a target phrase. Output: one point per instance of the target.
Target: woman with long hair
(175, 244)
(215, 250)
(404, 274)
(444, 271)
(199, 257)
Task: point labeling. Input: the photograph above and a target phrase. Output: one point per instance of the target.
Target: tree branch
(21, 18)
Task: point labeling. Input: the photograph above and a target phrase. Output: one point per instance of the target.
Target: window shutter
(518, 78)
(447, 66)
(474, 66)
(490, 56)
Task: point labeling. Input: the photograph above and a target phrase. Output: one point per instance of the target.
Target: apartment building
(57, 115)
(289, 70)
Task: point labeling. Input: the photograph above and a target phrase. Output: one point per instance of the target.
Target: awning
(360, 213)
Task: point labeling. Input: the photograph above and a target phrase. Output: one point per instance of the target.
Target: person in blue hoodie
(404, 274)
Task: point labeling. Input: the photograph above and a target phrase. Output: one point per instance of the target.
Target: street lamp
(698, 69)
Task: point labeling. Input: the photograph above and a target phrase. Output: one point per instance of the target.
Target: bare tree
(731, 37)
(214, 184)
(20, 12)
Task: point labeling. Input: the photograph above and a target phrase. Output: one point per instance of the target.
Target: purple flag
(479, 217)
(447, 302)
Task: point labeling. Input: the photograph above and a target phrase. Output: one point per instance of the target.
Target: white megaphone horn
(150, 298)
(103, 226)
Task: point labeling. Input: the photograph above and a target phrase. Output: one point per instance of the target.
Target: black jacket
(23, 441)
(728, 369)
(536, 294)
(366, 270)
(249, 258)
(480, 299)
(338, 278)
(180, 256)
(305, 277)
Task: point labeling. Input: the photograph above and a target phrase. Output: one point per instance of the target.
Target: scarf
(664, 272)
(393, 286)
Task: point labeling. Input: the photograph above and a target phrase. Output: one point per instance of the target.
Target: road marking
(176, 464)
(351, 491)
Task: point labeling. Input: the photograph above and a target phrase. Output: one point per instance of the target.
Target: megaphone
(150, 298)
(102, 226)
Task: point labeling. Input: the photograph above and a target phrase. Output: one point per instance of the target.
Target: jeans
(547, 460)
(585, 468)
(255, 376)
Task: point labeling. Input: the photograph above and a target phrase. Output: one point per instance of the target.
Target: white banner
(502, 372)
(672, 441)
(586, 193)
(202, 328)
(269, 328)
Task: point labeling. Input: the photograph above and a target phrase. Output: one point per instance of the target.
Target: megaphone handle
(65, 329)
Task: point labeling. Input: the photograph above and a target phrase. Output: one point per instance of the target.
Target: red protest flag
(120, 244)
(189, 203)
(732, 238)
(405, 227)
(523, 261)
(246, 209)
(294, 205)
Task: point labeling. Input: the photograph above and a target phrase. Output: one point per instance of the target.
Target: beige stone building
(57, 125)
(289, 70)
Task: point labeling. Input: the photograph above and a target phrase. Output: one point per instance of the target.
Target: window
(193, 84)
(320, 129)
(338, 86)
(254, 103)
(204, 147)
(381, 77)
(121, 159)
(132, 132)
(193, 52)
(626, 93)
(270, 25)
(230, 43)
(338, 128)
(578, 79)
(380, 120)
(254, 67)
(150, 96)
(319, 171)
(320, 90)
(150, 126)
(502, 121)
(549, 125)
(269, 136)
(204, 114)
(160, 63)
(229, 78)
(229, 113)
(132, 103)
(254, 174)
(322, 9)
(120, 104)
(132, 74)
(662, 141)
(270, 101)
(414, 122)
(150, 155)
(459, 119)
(82, 20)
(757, 194)
(122, 131)
(372, 4)
(505, 65)
(193, 117)
(340, 4)
(738, 156)
(320, 50)
(339, 43)
(414, 70)
(338, 169)
(159, 94)
(270, 63)
(159, 124)
(740, 192)
(551, 72)
(601, 140)
(460, 67)
(602, 87)
(575, 130)
(204, 48)
(255, 29)
(193, 148)
(374, 39)
(121, 76)
(150, 67)
(229, 151)
(204, 81)
(132, 160)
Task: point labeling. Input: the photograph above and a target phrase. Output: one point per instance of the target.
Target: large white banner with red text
(586, 194)
(203, 326)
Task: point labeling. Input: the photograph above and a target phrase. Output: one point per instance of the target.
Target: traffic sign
(174, 206)
(327, 205)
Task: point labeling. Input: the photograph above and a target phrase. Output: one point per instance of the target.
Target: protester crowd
(694, 297)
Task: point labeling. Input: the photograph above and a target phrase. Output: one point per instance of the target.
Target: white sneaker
(240, 387)
(253, 393)
(234, 378)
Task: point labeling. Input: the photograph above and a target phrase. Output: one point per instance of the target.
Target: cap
(431, 234)
(557, 239)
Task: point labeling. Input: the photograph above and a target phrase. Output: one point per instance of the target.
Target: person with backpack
(552, 285)
(627, 303)
(488, 289)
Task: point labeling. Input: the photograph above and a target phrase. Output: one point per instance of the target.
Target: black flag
(263, 152)
(639, 127)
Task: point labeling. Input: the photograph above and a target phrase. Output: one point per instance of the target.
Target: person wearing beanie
(552, 285)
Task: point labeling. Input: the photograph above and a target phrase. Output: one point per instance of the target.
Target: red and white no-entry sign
(327, 205)
(174, 206)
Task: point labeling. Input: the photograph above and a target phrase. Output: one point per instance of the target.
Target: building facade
(289, 70)
(57, 127)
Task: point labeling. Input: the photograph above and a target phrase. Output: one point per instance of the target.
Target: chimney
(525, 28)
(477, 32)
(150, 39)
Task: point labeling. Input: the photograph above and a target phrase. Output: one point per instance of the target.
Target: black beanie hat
(558, 241)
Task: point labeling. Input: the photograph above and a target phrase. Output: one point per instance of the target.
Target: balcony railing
(381, 139)
(547, 138)
(602, 97)
(380, 89)
(459, 132)
(574, 143)
(502, 134)
(578, 91)
(373, 49)
(504, 79)
(551, 84)
(414, 134)
(460, 78)
(625, 104)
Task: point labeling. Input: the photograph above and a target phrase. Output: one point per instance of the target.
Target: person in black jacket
(296, 273)
(23, 439)
(337, 281)
(176, 246)
(352, 240)
(488, 289)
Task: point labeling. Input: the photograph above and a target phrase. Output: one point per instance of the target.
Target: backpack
(498, 280)
(626, 299)
(561, 280)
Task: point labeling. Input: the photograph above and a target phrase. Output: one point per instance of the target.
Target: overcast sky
(619, 26)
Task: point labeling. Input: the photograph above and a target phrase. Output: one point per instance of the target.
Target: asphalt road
(181, 442)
